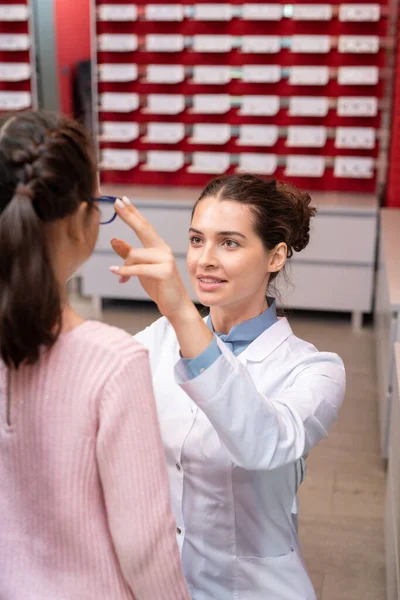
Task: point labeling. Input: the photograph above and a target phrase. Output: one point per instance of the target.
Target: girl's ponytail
(47, 169)
(30, 307)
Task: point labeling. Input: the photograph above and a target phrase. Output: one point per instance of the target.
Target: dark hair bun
(298, 214)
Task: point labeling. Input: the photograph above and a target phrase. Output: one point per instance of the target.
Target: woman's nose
(208, 257)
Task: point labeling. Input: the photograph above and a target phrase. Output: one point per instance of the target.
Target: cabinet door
(327, 287)
(391, 546)
(394, 443)
(98, 281)
(171, 223)
(341, 238)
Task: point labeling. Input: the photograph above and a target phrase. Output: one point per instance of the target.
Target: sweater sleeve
(135, 482)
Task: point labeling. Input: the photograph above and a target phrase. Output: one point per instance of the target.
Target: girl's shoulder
(95, 338)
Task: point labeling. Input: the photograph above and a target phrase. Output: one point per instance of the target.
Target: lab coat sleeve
(263, 432)
(195, 366)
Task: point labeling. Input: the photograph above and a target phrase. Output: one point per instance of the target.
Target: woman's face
(227, 261)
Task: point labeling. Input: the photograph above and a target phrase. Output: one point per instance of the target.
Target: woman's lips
(209, 284)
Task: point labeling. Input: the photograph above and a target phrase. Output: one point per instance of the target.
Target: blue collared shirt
(237, 340)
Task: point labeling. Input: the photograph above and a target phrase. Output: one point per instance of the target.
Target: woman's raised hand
(154, 264)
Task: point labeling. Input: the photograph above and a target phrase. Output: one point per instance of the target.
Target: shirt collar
(249, 330)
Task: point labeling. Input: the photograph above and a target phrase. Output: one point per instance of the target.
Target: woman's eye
(231, 244)
(195, 240)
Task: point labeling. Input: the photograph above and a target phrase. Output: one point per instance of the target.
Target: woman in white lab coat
(241, 400)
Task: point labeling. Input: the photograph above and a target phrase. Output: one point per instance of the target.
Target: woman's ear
(277, 257)
(77, 223)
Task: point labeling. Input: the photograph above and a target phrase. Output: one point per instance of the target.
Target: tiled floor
(342, 498)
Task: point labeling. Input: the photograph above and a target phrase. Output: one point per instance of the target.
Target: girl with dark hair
(241, 400)
(84, 501)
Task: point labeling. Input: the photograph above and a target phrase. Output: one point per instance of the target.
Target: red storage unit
(318, 126)
(18, 90)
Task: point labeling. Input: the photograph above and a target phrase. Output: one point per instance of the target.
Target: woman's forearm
(193, 334)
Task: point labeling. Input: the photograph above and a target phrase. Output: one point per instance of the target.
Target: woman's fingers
(149, 255)
(121, 248)
(140, 225)
(155, 271)
(138, 256)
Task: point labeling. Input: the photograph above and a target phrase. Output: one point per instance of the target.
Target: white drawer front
(171, 223)
(97, 280)
(333, 238)
(341, 238)
(327, 287)
(311, 287)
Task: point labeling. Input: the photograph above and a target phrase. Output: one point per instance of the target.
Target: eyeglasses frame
(106, 200)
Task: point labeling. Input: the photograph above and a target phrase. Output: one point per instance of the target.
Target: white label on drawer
(117, 12)
(312, 106)
(111, 72)
(16, 42)
(211, 134)
(165, 73)
(260, 106)
(263, 164)
(358, 75)
(15, 71)
(210, 162)
(261, 73)
(355, 137)
(113, 159)
(165, 133)
(359, 12)
(112, 131)
(213, 12)
(261, 44)
(165, 104)
(212, 43)
(354, 167)
(358, 44)
(118, 102)
(312, 12)
(309, 76)
(15, 100)
(212, 104)
(354, 106)
(306, 136)
(262, 12)
(164, 12)
(16, 12)
(109, 42)
(211, 75)
(305, 166)
(258, 135)
(165, 43)
(315, 44)
(164, 161)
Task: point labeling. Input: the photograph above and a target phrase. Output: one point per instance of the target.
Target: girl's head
(48, 226)
(243, 230)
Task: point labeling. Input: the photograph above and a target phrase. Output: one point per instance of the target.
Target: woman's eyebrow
(220, 233)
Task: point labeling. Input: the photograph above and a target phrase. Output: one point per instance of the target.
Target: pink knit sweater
(84, 495)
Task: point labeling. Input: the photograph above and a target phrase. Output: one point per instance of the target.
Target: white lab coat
(233, 439)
